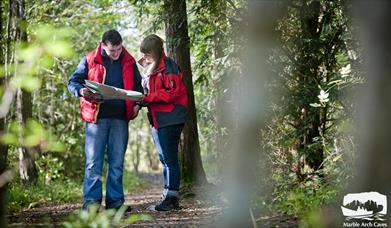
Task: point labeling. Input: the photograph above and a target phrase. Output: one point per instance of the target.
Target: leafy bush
(103, 219)
(94, 218)
(50, 167)
(304, 199)
(59, 191)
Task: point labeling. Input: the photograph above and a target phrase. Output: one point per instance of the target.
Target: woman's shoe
(169, 203)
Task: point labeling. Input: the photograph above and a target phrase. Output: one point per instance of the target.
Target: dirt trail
(192, 213)
(196, 211)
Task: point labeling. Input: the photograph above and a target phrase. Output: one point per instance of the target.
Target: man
(106, 121)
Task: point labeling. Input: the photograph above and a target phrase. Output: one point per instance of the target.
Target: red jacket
(97, 72)
(167, 98)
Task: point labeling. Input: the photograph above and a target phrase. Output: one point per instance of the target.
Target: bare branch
(6, 101)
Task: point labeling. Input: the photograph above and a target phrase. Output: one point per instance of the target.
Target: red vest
(97, 72)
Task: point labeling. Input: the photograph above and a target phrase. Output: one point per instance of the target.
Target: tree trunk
(139, 142)
(3, 148)
(373, 165)
(27, 168)
(219, 13)
(310, 119)
(178, 47)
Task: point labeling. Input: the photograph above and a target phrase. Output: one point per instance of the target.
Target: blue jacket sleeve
(76, 80)
(137, 79)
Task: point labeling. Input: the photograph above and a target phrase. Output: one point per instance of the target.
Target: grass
(57, 192)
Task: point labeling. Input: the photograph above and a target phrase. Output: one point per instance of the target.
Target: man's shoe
(128, 209)
(169, 203)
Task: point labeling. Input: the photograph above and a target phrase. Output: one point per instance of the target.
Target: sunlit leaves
(28, 83)
(32, 135)
(323, 99)
(107, 218)
(139, 217)
(46, 44)
(345, 71)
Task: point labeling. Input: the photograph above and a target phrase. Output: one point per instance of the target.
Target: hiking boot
(169, 203)
(163, 195)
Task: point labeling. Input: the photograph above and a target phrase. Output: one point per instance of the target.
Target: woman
(166, 98)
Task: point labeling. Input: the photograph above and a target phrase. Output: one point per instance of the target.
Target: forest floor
(197, 210)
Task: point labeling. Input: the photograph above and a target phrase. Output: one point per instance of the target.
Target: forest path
(193, 212)
(198, 209)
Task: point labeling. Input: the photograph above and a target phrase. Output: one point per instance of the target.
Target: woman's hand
(136, 109)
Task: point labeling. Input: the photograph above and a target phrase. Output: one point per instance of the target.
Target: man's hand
(90, 96)
(142, 103)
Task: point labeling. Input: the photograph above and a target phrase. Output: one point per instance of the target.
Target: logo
(365, 207)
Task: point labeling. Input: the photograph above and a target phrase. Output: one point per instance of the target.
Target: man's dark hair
(112, 36)
(152, 44)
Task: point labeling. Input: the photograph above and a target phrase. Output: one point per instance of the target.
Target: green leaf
(56, 146)
(60, 49)
(323, 96)
(316, 105)
(30, 83)
(10, 139)
(139, 217)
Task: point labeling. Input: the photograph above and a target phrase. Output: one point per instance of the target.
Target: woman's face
(148, 58)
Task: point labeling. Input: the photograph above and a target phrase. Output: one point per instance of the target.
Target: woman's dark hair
(112, 36)
(152, 44)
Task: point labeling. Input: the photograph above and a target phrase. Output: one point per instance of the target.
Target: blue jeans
(110, 134)
(166, 140)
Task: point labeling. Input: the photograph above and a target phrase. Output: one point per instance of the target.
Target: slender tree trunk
(178, 47)
(309, 118)
(138, 141)
(153, 160)
(7, 53)
(27, 168)
(218, 12)
(3, 148)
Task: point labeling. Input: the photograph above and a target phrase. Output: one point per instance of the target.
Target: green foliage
(313, 219)
(58, 191)
(94, 218)
(46, 43)
(34, 136)
(310, 116)
(132, 182)
(215, 44)
(313, 74)
(303, 198)
(102, 219)
(50, 167)
(315, 67)
(139, 217)
(54, 187)
(81, 24)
